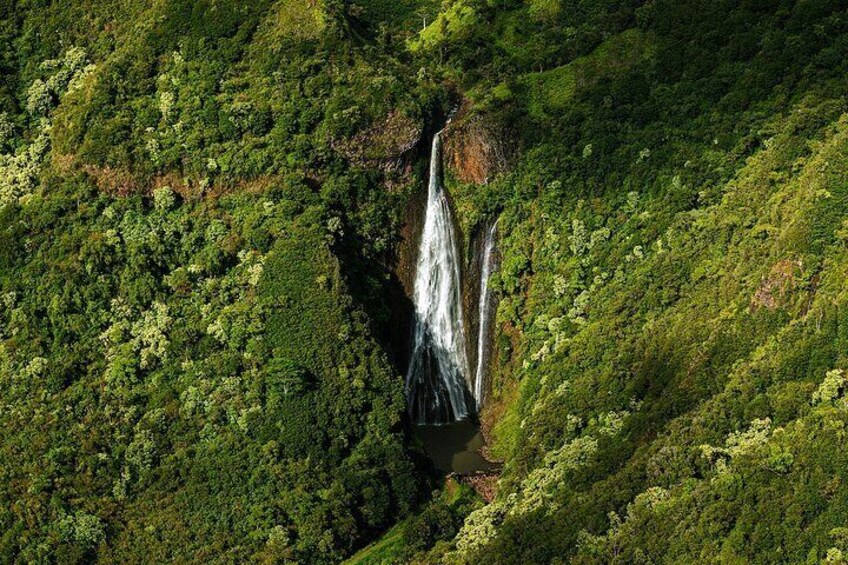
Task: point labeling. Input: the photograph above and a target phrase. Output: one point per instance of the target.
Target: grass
(384, 551)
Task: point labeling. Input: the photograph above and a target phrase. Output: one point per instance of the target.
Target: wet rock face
(475, 148)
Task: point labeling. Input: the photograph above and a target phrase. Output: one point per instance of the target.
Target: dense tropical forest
(207, 224)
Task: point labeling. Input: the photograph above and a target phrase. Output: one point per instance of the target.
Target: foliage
(672, 253)
(186, 356)
(195, 252)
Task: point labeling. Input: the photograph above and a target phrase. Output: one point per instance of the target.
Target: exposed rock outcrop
(475, 147)
(484, 483)
(387, 145)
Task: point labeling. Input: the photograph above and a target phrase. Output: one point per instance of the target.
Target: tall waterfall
(436, 379)
(485, 307)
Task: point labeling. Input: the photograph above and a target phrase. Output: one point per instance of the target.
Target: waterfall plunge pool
(454, 447)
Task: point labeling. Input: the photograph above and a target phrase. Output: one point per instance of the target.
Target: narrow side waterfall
(484, 313)
(436, 387)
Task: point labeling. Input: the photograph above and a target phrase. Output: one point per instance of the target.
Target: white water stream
(484, 313)
(436, 380)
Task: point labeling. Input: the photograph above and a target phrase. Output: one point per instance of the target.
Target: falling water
(436, 379)
(484, 311)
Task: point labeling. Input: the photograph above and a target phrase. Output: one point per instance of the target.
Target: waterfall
(484, 312)
(436, 379)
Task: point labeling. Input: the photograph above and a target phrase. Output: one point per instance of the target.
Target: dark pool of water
(454, 447)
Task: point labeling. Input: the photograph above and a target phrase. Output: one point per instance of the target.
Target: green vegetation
(672, 287)
(169, 384)
(201, 206)
(436, 523)
(188, 365)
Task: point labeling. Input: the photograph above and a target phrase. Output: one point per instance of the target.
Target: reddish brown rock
(484, 483)
(475, 148)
